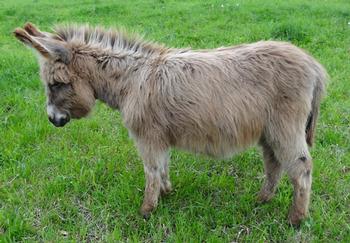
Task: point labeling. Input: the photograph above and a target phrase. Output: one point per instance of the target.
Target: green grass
(85, 181)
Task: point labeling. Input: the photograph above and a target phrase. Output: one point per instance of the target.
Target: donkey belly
(207, 147)
(217, 142)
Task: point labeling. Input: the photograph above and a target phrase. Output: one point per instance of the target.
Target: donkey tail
(318, 93)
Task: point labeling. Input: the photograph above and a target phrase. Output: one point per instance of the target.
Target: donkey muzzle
(60, 121)
(57, 117)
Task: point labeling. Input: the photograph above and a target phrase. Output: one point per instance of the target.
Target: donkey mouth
(59, 122)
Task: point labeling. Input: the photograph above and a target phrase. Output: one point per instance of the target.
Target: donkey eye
(56, 85)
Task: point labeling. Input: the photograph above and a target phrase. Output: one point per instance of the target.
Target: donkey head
(68, 94)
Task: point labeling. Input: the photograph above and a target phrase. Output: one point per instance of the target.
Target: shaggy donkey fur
(216, 102)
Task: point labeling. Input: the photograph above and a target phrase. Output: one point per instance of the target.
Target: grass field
(84, 182)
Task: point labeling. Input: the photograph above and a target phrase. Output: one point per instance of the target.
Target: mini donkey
(217, 102)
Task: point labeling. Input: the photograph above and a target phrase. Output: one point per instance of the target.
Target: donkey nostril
(51, 119)
(62, 121)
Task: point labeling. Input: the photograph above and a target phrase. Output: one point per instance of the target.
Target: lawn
(84, 182)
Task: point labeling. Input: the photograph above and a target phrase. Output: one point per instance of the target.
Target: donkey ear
(58, 50)
(46, 46)
(30, 41)
(33, 31)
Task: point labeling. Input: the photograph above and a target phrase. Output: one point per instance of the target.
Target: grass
(85, 182)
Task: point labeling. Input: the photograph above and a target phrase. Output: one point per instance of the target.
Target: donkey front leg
(157, 179)
(273, 171)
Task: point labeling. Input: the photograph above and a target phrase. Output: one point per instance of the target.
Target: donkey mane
(115, 40)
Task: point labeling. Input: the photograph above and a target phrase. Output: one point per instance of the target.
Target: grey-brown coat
(217, 102)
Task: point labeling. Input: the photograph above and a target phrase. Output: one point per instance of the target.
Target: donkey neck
(116, 73)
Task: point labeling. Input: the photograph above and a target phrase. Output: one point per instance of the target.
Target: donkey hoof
(264, 197)
(296, 218)
(146, 211)
(146, 215)
(166, 191)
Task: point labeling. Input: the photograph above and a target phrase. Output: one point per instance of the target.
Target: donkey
(216, 102)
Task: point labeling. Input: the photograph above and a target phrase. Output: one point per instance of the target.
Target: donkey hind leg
(156, 173)
(273, 171)
(301, 177)
(298, 164)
